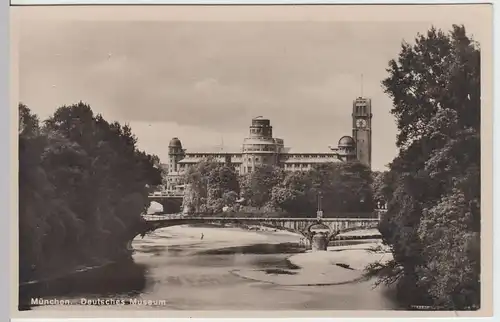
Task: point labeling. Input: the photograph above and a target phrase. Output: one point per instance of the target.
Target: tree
(432, 222)
(378, 186)
(351, 191)
(34, 192)
(293, 194)
(257, 186)
(82, 187)
(343, 187)
(210, 187)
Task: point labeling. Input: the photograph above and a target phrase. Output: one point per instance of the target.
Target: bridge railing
(347, 217)
(154, 217)
(166, 194)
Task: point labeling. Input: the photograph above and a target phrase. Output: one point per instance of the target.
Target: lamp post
(319, 212)
(319, 239)
(381, 208)
(362, 204)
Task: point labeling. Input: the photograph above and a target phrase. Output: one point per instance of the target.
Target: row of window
(304, 156)
(262, 148)
(302, 166)
(255, 159)
(249, 168)
(269, 148)
(210, 155)
(297, 165)
(260, 131)
(361, 109)
(346, 149)
(183, 166)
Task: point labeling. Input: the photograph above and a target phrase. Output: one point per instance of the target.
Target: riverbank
(56, 282)
(338, 265)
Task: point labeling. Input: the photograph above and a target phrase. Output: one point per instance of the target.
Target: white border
(236, 2)
(5, 127)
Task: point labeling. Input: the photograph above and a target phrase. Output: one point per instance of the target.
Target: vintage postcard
(265, 161)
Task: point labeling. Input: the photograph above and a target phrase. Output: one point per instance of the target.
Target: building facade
(362, 129)
(261, 148)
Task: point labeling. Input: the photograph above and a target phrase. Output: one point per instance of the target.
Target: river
(204, 268)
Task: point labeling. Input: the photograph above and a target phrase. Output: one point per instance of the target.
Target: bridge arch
(170, 203)
(300, 226)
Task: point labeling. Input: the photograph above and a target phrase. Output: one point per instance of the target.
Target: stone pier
(319, 242)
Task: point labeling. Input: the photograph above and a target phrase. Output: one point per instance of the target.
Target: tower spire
(361, 85)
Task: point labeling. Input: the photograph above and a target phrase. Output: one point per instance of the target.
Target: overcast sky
(204, 81)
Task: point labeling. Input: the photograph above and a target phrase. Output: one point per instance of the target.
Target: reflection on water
(283, 248)
(349, 242)
(278, 271)
(173, 265)
(123, 279)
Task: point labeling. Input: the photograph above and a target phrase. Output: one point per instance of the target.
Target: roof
(346, 141)
(215, 150)
(288, 150)
(310, 160)
(192, 160)
(175, 143)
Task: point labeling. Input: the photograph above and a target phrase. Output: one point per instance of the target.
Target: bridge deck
(298, 225)
(165, 195)
(257, 219)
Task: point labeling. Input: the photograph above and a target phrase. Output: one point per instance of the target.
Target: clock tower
(362, 129)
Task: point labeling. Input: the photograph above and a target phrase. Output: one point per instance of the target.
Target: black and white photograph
(253, 158)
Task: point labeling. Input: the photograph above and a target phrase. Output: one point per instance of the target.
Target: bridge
(171, 201)
(329, 228)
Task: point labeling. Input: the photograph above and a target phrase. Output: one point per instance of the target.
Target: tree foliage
(433, 218)
(82, 187)
(209, 187)
(257, 186)
(343, 187)
(382, 187)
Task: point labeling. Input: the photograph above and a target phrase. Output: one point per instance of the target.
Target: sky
(204, 81)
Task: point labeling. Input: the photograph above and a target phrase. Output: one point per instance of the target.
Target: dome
(175, 143)
(346, 141)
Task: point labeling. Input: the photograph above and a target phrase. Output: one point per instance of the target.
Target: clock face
(361, 123)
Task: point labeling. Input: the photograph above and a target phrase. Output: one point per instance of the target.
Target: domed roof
(346, 141)
(175, 143)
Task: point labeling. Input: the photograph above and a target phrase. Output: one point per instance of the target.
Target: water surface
(176, 269)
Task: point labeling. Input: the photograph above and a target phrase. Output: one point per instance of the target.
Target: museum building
(261, 148)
